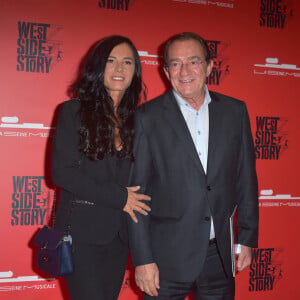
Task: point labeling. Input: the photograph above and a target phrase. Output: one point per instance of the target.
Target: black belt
(212, 242)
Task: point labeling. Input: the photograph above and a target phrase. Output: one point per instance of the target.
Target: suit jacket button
(207, 218)
(208, 188)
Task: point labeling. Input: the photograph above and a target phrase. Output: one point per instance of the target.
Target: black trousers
(211, 284)
(98, 270)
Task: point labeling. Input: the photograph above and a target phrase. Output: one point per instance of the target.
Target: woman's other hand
(134, 203)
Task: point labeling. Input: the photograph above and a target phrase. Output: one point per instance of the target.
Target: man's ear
(209, 67)
(166, 70)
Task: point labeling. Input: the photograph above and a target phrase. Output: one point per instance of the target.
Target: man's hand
(147, 278)
(134, 203)
(244, 258)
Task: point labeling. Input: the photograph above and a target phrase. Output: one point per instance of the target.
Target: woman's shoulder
(69, 110)
(72, 104)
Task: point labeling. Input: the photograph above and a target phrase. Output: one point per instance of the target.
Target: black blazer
(96, 187)
(183, 198)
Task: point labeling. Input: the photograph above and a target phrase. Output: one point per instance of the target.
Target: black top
(98, 188)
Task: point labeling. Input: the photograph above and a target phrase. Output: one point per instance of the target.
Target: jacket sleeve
(139, 233)
(65, 161)
(247, 187)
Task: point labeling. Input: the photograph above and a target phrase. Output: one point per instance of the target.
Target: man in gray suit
(194, 156)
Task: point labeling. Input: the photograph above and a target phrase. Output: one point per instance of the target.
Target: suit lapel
(175, 118)
(215, 125)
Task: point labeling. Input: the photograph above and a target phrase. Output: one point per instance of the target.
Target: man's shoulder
(225, 99)
(154, 105)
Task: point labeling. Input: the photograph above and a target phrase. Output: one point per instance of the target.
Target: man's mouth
(186, 81)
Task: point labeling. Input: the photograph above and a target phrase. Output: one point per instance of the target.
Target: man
(194, 156)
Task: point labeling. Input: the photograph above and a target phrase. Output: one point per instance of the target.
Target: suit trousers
(211, 284)
(98, 270)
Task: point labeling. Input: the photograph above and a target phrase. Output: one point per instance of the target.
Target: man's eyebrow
(174, 59)
(189, 58)
(194, 57)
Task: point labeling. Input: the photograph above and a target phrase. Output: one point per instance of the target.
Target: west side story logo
(274, 13)
(221, 67)
(37, 50)
(31, 201)
(270, 138)
(265, 269)
(114, 4)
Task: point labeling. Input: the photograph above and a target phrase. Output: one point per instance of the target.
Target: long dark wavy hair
(98, 120)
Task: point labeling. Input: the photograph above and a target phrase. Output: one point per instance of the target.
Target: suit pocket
(166, 206)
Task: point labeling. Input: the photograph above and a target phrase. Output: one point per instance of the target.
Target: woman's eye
(128, 62)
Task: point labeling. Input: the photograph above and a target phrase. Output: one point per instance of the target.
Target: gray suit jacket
(176, 233)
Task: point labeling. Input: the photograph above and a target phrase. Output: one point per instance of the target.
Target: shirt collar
(183, 104)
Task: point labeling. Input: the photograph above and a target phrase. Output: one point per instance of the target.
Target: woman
(91, 157)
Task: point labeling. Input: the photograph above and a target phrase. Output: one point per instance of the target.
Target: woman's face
(119, 70)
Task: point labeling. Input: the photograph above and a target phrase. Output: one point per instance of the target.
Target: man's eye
(196, 62)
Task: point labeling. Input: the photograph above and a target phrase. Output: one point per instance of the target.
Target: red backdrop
(255, 46)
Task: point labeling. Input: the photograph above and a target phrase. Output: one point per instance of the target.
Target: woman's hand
(134, 203)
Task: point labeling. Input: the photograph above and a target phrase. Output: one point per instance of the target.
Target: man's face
(187, 69)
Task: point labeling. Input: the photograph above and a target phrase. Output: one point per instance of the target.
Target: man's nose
(184, 68)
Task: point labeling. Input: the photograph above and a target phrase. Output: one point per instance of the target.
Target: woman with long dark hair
(91, 157)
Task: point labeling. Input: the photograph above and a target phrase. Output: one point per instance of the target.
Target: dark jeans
(211, 284)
